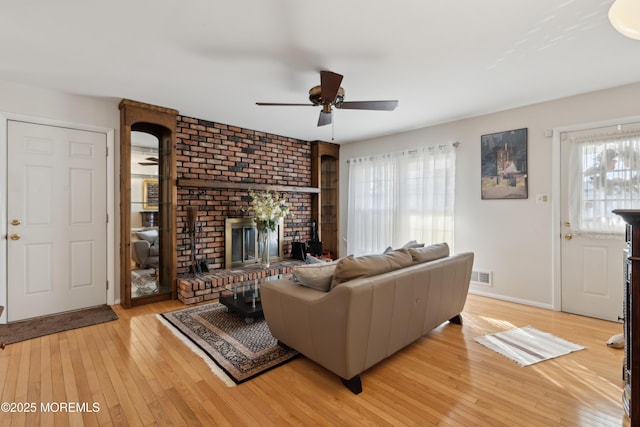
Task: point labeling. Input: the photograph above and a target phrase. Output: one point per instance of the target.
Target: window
(604, 175)
(397, 197)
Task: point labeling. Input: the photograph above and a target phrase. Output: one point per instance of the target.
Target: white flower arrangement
(268, 209)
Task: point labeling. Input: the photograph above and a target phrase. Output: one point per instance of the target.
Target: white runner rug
(527, 345)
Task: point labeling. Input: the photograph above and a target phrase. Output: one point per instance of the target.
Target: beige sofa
(373, 307)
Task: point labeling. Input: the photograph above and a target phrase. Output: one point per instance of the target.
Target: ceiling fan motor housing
(315, 96)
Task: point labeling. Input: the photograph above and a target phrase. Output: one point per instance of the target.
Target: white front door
(56, 211)
(605, 174)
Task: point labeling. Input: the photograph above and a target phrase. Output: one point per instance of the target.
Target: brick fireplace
(236, 159)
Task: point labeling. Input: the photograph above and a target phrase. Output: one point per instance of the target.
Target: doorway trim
(556, 227)
(111, 255)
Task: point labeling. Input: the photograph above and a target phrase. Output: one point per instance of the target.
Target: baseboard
(511, 299)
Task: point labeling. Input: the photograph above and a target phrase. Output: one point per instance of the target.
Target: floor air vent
(481, 278)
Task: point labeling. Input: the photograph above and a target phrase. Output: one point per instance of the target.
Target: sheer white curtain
(604, 174)
(402, 196)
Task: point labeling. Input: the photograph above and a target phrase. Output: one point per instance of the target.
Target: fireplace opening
(241, 243)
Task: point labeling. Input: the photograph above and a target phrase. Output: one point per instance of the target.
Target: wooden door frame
(110, 139)
(160, 122)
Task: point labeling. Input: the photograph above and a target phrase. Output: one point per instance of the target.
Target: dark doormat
(41, 326)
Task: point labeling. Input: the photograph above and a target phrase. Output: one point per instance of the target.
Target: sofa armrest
(140, 251)
(310, 321)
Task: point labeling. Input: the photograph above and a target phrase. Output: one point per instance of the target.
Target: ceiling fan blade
(278, 104)
(369, 105)
(152, 159)
(329, 85)
(325, 118)
(148, 163)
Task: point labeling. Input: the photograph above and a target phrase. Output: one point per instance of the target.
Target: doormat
(46, 325)
(234, 350)
(527, 345)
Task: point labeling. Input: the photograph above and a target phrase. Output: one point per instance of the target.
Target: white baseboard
(511, 299)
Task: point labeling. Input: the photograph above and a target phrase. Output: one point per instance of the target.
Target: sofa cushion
(150, 236)
(316, 276)
(429, 253)
(351, 267)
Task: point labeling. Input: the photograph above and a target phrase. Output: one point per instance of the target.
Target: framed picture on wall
(150, 194)
(504, 165)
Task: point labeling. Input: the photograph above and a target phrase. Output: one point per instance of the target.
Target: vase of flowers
(268, 209)
(264, 240)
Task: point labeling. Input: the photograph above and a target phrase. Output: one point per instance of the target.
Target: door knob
(15, 236)
(15, 222)
(568, 236)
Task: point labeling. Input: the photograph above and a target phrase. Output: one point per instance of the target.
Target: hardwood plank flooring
(138, 374)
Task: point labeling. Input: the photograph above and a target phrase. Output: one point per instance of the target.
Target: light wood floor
(138, 373)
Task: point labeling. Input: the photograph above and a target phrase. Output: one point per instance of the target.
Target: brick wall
(207, 150)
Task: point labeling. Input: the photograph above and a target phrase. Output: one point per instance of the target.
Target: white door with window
(56, 211)
(600, 172)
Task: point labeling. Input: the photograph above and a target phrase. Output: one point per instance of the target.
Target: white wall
(511, 238)
(57, 108)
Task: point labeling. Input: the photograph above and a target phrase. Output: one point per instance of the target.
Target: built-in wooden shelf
(230, 185)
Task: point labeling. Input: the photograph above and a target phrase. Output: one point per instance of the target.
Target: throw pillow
(351, 267)
(429, 253)
(149, 235)
(315, 276)
(313, 260)
(412, 244)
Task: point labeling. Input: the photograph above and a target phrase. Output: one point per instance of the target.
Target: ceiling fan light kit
(330, 94)
(624, 16)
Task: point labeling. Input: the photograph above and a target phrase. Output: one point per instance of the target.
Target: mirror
(147, 204)
(145, 241)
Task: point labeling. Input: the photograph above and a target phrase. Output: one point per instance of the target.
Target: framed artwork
(150, 194)
(504, 165)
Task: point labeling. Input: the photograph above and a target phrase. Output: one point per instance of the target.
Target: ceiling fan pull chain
(333, 129)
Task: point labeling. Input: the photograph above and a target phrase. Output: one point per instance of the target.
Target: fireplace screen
(241, 242)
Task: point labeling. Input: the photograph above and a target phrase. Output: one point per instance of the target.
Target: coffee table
(244, 297)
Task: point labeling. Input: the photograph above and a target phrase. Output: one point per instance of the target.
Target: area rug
(144, 282)
(41, 326)
(527, 345)
(234, 350)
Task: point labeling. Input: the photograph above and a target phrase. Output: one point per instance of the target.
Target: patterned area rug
(144, 282)
(527, 345)
(240, 351)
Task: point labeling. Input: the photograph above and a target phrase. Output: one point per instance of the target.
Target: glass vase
(264, 237)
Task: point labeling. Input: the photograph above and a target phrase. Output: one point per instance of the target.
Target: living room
(516, 241)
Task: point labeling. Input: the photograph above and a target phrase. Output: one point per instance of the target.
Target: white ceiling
(211, 59)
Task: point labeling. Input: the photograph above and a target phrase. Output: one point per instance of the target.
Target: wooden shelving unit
(325, 158)
(631, 364)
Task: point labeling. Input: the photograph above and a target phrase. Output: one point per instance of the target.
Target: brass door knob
(15, 236)
(568, 236)
(15, 222)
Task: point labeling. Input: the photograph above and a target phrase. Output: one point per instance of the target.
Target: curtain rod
(410, 151)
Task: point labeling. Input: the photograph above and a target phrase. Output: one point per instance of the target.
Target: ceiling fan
(150, 161)
(329, 94)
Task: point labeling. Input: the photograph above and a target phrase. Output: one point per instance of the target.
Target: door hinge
(107, 218)
(107, 285)
(107, 151)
